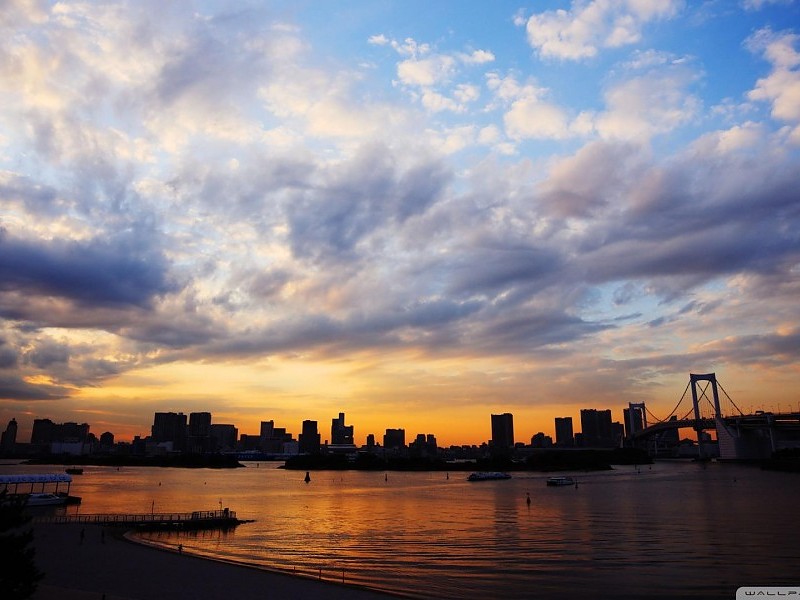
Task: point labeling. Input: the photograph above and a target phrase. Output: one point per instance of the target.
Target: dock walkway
(206, 519)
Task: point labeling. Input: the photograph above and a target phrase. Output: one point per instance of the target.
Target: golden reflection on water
(620, 534)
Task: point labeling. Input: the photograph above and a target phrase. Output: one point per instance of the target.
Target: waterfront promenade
(101, 564)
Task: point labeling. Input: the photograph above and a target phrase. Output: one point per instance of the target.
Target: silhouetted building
(8, 441)
(199, 438)
(540, 440)
(617, 433)
(169, 428)
(565, 438)
(45, 432)
(341, 434)
(42, 432)
(200, 424)
(502, 433)
(223, 437)
(596, 428)
(423, 446)
(370, 441)
(267, 431)
(107, 440)
(394, 438)
(249, 443)
(309, 439)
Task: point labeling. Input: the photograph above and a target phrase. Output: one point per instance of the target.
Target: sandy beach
(104, 565)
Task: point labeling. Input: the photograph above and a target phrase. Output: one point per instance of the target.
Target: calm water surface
(673, 530)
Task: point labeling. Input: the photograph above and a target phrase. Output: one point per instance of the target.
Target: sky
(416, 213)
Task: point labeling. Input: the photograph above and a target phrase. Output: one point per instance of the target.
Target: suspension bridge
(739, 436)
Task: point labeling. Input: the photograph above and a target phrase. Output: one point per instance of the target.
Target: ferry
(559, 481)
(488, 476)
(39, 490)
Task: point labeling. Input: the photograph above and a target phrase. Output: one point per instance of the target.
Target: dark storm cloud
(96, 272)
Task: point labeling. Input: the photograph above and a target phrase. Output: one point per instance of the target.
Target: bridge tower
(632, 408)
(712, 378)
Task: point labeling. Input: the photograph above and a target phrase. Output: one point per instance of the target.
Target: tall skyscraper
(309, 439)
(596, 428)
(200, 423)
(199, 440)
(169, 427)
(502, 433)
(42, 432)
(341, 433)
(565, 437)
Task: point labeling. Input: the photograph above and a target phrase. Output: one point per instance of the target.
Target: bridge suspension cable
(657, 420)
(730, 399)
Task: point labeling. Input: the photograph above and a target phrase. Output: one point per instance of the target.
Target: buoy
(308, 477)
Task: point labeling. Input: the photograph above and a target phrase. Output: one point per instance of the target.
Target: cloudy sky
(417, 213)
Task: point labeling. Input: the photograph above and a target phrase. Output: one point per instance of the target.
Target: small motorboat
(488, 476)
(45, 499)
(560, 481)
(73, 471)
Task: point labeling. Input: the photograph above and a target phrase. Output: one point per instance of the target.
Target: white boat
(45, 499)
(488, 476)
(557, 481)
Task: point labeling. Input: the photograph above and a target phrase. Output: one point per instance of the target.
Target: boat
(39, 490)
(488, 476)
(559, 481)
(45, 499)
(73, 471)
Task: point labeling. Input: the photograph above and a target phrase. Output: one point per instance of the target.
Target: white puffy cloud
(782, 86)
(426, 71)
(589, 26)
(530, 118)
(739, 138)
(645, 105)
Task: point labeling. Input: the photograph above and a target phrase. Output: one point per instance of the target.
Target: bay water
(667, 530)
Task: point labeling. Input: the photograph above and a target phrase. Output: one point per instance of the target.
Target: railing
(111, 519)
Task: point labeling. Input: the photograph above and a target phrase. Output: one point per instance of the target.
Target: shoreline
(82, 562)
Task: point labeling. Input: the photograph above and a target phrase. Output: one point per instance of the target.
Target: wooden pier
(206, 519)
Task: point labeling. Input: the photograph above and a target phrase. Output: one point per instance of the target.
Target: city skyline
(175, 424)
(284, 209)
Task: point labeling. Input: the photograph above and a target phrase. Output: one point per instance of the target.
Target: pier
(207, 519)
